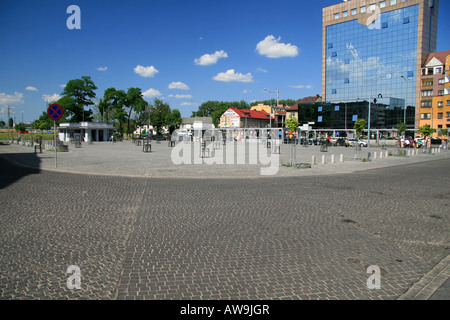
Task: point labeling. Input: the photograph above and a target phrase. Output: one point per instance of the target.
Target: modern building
(435, 93)
(300, 109)
(85, 131)
(242, 118)
(375, 49)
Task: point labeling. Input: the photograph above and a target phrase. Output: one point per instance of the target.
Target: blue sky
(181, 51)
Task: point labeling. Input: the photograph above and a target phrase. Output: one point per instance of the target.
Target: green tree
(359, 126)
(401, 127)
(426, 131)
(77, 95)
(292, 123)
(444, 132)
(2, 123)
(134, 101)
(159, 113)
(174, 120)
(20, 127)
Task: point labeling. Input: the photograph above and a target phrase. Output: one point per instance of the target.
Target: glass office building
(374, 50)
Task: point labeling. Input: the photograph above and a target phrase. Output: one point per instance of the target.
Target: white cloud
(208, 59)
(151, 93)
(178, 85)
(231, 76)
(301, 86)
(262, 70)
(62, 85)
(101, 68)
(247, 91)
(146, 72)
(29, 88)
(272, 48)
(51, 98)
(180, 96)
(184, 104)
(11, 98)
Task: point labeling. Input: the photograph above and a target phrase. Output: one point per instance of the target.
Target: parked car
(355, 142)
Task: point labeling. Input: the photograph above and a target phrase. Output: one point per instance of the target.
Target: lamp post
(278, 99)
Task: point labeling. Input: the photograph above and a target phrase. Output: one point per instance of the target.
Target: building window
(430, 71)
(384, 25)
(440, 104)
(440, 92)
(438, 70)
(440, 115)
(406, 20)
(334, 54)
(345, 14)
(346, 80)
(448, 114)
(336, 16)
(355, 117)
(319, 109)
(410, 74)
(319, 119)
(448, 102)
(426, 104)
(363, 9)
(330, 46)
(346, 61)
(333, 91)
(372, 7)
(393, 2)
(442, 81)
(425, 116)
(427, 93)
(354, 12)
(427, 83)
(336, 108)
(383, 4)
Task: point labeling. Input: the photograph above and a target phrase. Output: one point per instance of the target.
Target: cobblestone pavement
(310, 237)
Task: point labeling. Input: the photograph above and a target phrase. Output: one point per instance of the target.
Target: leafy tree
(292, 123)
(359, 126)
(20, 127)
(174, 120)
(2, 123)
(78, 94)
(444, 132)
(134, 101)
(426, 130)
(401, 127)
(159, 113)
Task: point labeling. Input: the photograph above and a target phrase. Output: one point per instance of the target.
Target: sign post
(55, 112)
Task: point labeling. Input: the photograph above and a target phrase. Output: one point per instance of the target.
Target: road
(263, 238)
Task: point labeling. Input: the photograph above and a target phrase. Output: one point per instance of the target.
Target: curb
(427, 286)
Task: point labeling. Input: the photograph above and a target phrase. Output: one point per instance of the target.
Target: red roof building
(243, 118)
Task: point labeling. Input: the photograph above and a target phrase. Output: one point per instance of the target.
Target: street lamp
(278, 99)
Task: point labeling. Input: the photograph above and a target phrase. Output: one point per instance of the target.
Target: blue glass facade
(365, 61)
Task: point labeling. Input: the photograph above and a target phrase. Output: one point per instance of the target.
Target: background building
(435, 95)
(378, 47)
(243, 118)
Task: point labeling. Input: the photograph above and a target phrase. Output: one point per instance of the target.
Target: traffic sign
(55, 112)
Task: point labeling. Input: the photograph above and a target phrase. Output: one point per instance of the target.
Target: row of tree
(125, 109)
